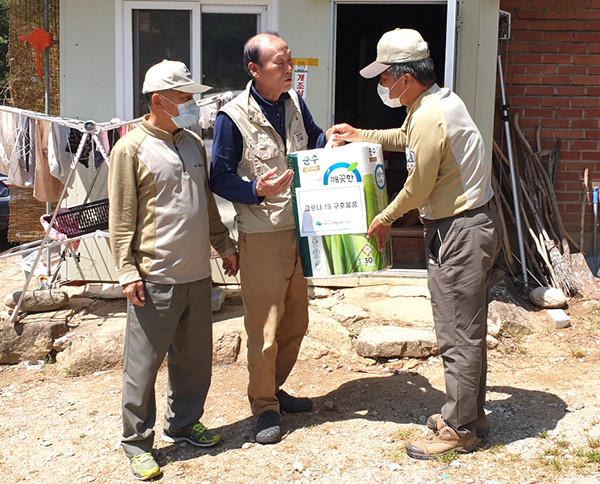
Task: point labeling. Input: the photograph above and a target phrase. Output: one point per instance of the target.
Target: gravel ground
(543, 405)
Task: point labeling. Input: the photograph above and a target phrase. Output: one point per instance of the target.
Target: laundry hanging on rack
(20, 156)
(29, 139)
(59, 161)
(46, 187)
(8, 136)
(22, 132)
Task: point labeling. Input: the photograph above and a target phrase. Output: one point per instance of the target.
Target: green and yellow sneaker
(196, 434)
(144, 467)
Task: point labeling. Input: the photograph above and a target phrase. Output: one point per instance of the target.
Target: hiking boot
(196, 434)
(482, 426)
(290, 404)
(267, 428)
(443, 441)
(144, 467)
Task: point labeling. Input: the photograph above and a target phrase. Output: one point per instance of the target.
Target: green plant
(593, 456)
(594, 443)
(497, 448)
(449, 457)
(405, 434)
(543, 434)
(397, 455)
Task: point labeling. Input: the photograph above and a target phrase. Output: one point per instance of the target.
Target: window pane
(157, 35)
(223, 39)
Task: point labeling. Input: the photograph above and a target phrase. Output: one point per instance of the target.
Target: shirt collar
(415, 105)
(265, 102)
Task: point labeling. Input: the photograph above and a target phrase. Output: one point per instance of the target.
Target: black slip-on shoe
(267, 428)
(290, 404)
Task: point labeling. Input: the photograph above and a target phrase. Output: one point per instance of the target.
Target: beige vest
(264, 149)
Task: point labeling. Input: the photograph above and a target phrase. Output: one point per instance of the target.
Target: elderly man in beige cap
(450, 183)
(163, 220)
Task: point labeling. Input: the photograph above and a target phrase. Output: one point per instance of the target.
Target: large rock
(30, 341)
(548, 298)
(91, 350)
(348, 313)
(506, 309)
(226, 347)
(325, 337)
(88, 352)
(38, 300)
(587, 282)
(315, 350)
(395, 342)
(414, 310)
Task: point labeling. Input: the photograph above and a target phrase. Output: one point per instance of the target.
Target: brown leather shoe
(443, 441)
(482, 426)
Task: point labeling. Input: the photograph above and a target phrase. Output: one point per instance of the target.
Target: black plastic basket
(82, 219)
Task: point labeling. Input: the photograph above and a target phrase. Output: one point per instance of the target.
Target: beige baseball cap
(396, 47)
(170, 74)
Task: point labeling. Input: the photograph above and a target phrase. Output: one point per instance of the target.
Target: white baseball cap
(396, 47)
(170, 74)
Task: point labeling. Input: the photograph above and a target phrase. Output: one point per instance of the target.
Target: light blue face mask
(188, 113)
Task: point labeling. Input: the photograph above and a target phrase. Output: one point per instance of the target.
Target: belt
(428, 221)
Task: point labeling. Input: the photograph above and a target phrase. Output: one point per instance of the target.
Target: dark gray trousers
(176, 319)
(461, 253)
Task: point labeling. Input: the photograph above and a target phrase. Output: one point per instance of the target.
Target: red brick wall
(408, 248)
(552, 73)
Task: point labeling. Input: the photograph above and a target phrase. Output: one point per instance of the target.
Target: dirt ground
(543, 403)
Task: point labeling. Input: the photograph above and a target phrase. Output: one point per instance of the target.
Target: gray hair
(421, 70)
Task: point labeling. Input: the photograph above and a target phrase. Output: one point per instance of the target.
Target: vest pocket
(264, 148)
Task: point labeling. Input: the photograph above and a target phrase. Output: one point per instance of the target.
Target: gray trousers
(176, 319)
(461, 253)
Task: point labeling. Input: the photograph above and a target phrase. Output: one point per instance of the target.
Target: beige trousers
(275, 311)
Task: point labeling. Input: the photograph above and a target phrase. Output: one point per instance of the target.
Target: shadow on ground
(401, 398)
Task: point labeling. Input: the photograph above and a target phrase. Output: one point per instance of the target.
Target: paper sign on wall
(300, 78)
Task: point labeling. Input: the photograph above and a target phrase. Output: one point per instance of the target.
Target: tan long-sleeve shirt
(448, 169)
(162, 216)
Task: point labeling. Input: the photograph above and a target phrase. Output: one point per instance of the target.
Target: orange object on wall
(39, 39)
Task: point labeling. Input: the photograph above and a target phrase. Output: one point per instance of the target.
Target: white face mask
(384, 94)
(188, 113)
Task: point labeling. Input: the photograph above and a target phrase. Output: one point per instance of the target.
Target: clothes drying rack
(77, 228)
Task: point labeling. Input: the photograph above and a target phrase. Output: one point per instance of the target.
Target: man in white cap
(450, 183)
(163, 220)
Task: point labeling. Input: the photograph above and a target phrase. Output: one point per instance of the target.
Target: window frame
(267, 10)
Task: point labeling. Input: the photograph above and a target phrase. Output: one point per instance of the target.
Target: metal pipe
(513, 174)
(47, 55)
(47, 106)
(594, 234)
